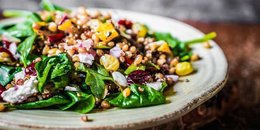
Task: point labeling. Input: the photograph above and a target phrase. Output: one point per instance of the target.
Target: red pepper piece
(56, 37)
(127, 23)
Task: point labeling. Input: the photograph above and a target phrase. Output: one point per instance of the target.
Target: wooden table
(238, 104)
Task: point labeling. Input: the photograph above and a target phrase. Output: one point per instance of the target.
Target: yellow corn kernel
(110, 62)
(126, 92)
(106, 32)
(66, 26)
(165, 48)
(183, 68)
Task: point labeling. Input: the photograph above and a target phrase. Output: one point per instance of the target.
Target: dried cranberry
(2, 89)
(128, 61)
(139, 77)
(65, 17)
(8, 52)
(30, 70)
(56, 37)
(92, 52)
(127, 23)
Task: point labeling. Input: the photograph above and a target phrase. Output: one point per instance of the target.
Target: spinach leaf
(148, 97)
(25, 48)
(80, 102)
(95, 80)
(7, 74)
(60, 81)
(53, 69)
(101, 70)
(133, 67)
(164, 85)
(48, 6)
(34, 17)
(180, 48)
(55, 100)
(21, 30)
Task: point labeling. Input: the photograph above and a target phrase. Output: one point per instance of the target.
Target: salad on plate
(79, 60)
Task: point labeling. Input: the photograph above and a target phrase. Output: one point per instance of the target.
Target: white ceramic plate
(206, 82)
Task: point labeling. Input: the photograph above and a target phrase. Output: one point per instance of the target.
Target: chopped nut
(111, 44)
(133, 49)
(206, 45)
(174, 62)
(105, 104)
(52, 27)
(140, 89)
(122, 59)
(194, 57)
(138, 59)
(84, 118)
(8, 86)
(2, 107)
(75, 58)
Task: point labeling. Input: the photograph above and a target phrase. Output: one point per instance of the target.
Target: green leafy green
(53, 69)
(148, 97)
(21, 13)
(207, 37)
(180, 48)
(21, 30)
(164, 85)
(95, 80)
(80, 102)
(133, 67)
(55, 100)
(7, 74)
(101, 70)
(25, 48)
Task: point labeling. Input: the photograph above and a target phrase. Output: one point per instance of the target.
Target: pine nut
(138, 59)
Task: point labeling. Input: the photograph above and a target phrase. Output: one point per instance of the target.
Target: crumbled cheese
(116, 51)
(175, 78)
(20, 75)
(13, 50)
(119, 78)
(86, 58)
(86, 44)
(156, 85)
(69, 88)
(20, 93)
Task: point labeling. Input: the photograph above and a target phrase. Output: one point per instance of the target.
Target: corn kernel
(110, 62)
(183, 68)
(126, 92)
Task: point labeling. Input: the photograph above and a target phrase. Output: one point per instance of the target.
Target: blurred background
(206, 10)
(237, 23)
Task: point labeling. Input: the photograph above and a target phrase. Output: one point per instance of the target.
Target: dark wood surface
(237, 106)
